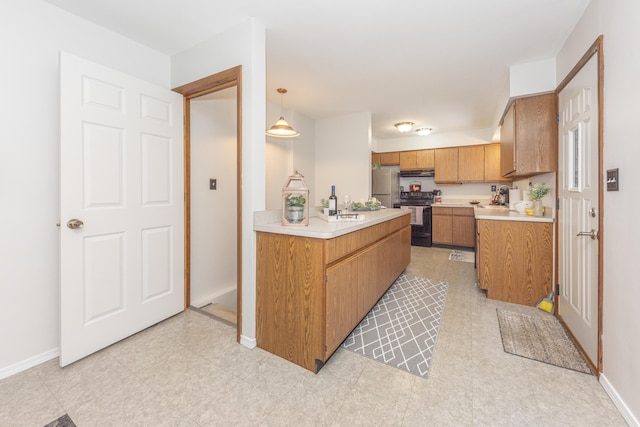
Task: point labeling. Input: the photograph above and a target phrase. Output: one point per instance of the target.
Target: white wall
(242, 45)
(213, 212)
(33, 33)
(284, 155)
(532, 77)
(618, 21)
(343, 157)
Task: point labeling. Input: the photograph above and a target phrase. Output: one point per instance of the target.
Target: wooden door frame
(595, 49)
(213, 83)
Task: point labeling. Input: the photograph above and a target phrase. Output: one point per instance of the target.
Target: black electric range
(419, 202)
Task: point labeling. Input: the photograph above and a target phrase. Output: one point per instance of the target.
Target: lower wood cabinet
(311, 293)
(453, 226)
(514, 260)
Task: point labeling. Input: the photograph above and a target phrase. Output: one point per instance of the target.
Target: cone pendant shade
(282, 129)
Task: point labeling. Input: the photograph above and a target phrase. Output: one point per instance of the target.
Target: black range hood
(425, 173)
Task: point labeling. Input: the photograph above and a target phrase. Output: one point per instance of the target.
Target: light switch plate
(612, 179)
(213, 184)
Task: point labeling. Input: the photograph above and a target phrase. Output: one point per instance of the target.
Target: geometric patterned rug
(402, 328)
(540, 338)
(63, 421)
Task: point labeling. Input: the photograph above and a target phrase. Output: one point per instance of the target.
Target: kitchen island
(314, 284)
(514, 255)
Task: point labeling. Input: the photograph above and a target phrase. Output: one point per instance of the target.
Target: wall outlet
(493, 188)
(213, 184)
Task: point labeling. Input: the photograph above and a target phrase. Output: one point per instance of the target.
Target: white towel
(416, 214)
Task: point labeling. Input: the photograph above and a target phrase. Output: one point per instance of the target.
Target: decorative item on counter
(295, 210)
(333, 202)
(536, 193)
(372, 204)
(325, 206)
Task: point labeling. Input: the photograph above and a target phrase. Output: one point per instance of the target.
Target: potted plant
(295, 208)
(325, 206)
(536, 194)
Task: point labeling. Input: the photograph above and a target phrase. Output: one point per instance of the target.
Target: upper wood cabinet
(391, 158)
(375, 158)
(471, 163)
(492, 164)
(529, 137)
(416, 160)
(446, 165)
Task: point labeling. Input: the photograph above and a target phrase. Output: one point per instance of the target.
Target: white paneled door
(122, 216)
(579, 203)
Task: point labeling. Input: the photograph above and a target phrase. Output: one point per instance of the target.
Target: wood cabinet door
(342, 302)
(425, 159)
(446, 165)
(507, 142)
(441, 226)
(536, 135)
(375, 158)
(492, 164)
(463, 231)
(408, 160)
(390, 159)
(471, 163)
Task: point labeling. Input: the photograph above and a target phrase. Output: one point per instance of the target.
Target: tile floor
(189, 371)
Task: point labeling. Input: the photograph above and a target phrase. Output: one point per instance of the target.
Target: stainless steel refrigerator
(385, 186)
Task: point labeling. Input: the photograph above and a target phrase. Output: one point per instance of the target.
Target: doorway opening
(215, 90)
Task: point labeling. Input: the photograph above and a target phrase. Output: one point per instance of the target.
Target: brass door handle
(593, 234)
(75, 224)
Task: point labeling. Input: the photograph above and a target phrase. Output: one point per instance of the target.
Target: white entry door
(122, 217)
(578, 213)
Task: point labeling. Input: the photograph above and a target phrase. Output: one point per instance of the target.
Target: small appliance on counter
(514, 197)
(437, 196)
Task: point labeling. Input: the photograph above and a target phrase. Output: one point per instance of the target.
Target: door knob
(75, 223)
(593, 234)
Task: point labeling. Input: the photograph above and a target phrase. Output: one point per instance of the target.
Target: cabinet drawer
(441, 211)
(462, 212)
(342, 246)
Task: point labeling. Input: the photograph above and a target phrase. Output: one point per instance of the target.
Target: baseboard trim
(248, 342)
(617, 400)
(29, 363)
(201, 302)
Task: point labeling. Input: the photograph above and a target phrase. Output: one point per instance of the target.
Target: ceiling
(438, 63)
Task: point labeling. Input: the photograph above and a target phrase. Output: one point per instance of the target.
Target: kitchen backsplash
(459, 191)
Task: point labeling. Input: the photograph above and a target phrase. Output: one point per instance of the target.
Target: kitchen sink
(494, 207)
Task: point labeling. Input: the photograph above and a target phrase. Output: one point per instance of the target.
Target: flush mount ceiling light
(282, 129)
(404, 126)
(423, 131)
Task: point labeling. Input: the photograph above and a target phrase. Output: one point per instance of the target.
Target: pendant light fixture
(282, 129)
(423, 131)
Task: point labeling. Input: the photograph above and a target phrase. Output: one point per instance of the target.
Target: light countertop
(505, 214)
(321, 229)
